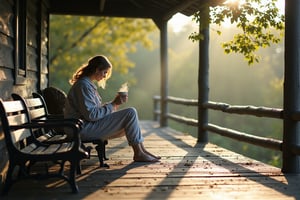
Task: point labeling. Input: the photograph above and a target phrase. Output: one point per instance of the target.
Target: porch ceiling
(154, 9)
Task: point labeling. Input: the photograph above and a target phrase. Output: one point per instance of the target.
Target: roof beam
(102, 4)
(179, 7)
(136, 4)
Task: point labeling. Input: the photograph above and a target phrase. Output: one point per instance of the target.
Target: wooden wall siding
(32, 17)
(44, 45)
(32, 49)
(6, 46)
(6, 66)
(6, 17)
(37, 27)
(6, 51)
(6, 34)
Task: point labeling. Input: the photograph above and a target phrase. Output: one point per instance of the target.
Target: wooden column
(203, 75)
(291, 162)
(164, 72)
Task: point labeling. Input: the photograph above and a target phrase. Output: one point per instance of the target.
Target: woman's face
(101, 74)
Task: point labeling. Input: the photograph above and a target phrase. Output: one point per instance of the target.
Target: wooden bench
(38, 111)
(24, 149)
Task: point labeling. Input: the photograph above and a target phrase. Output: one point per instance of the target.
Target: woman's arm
(90, 105)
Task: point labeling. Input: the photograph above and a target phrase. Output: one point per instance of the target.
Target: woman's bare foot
(144, 158)
(150, 154)
(147, 152)
(141, 156)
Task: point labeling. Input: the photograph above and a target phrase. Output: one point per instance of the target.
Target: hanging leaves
(260, 21)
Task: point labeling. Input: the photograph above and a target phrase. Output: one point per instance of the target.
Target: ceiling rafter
(102, 5)
(183, 5)
(154, 9)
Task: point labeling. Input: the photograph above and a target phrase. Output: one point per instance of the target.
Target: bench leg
(100, 148)
(72, 176)
(78, 170)
(88, 149)
(23, 170)
(104, 143)
(8, 181)
(62, 166)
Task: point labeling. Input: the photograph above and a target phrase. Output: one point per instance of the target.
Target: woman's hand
(123, 96)
(119, 99)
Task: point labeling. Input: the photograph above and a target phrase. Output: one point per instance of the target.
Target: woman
(103, 121)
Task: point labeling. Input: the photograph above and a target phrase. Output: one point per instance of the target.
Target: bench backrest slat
(33, 102)
(14, 113)
(36, 108)
(20, 134)
(13, 106)
(37, 113)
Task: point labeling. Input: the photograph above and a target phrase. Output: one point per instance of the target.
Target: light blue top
(84, 102)
(100, 122)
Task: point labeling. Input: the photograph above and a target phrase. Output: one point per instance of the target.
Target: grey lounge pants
(122, 122)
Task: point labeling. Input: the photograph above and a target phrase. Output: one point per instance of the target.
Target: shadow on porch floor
(188, 170)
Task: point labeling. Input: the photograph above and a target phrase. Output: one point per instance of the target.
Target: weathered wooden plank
(209, 191)
(32, 59)
(187, 171)
(6, 17)
(6, 51)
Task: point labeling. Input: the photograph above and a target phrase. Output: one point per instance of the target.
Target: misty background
(231, 80)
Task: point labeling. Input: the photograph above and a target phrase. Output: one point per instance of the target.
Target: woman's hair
(98, 62)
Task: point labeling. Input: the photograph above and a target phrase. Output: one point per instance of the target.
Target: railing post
(291, 135)
(156, 100)
(203, 87)
(164, 72)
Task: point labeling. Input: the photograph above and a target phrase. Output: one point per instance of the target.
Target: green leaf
(260, 21)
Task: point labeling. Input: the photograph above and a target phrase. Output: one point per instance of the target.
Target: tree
(73, 39)
(260, 21)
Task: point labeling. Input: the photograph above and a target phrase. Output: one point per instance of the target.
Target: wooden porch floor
(187, 171)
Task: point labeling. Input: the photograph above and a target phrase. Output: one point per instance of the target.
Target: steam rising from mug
(124, 87)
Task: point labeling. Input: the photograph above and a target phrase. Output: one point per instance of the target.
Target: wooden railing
(242, 110)
(181, 119)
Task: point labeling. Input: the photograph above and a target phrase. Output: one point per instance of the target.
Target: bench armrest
(55, 119)
(55, 116)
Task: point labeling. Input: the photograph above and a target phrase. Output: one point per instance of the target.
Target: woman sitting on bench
(103, 121)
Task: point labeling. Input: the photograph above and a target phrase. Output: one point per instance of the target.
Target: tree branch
(76, 42)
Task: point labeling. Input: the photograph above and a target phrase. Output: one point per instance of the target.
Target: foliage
(74, 39)
(260, 22)
(232, 82)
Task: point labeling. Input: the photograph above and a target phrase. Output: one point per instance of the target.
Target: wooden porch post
(291, 135)
(203, 75)
(164, 72)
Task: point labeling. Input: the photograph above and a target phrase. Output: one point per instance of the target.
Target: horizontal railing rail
(241, 136)
(176, 100)
(231, 109)
(246, 110)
